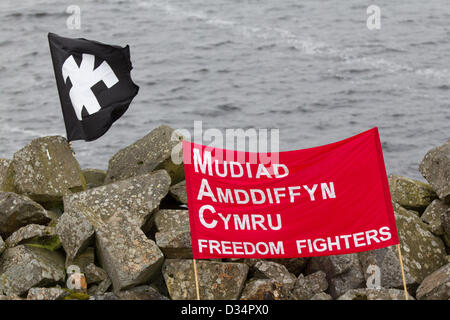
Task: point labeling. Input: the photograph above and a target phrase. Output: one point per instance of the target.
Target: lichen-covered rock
(432, 216)
(116, 212)
(137, 293)
(141, 293)
(160, 285)
(265, 289)
(94, 177)
(306, 288)
(436, 286)
(387, 262)
(82, 260)
(24, 267)
(46, 170)
(47, 294)
(409, 193)
(375, 294)
(139, 196)
(445, 223)
(6, 298)
(217, 280)
(107, 296)
(422, 253)
(150, 153)
(271, 270)
(17, 211)
(125, 253)
(321, 296)
(172, 220)
(103, 286)
(293, 265)
(2, 245)
(435, 167)
(94, 274)
(173, 236)
(30, 232)
(75, 232)
(6, 176)
(178, 192)
(175, 244)
(343, 272)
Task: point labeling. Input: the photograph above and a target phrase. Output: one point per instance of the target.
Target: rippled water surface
(310, 68)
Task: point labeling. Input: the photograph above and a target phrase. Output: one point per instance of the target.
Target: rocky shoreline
(127, 231)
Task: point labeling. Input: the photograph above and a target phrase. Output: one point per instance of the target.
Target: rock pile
(121, 234)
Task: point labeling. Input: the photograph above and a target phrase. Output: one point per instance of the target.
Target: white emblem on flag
(83, 78)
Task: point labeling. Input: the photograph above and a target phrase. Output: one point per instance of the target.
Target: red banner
(326, 200)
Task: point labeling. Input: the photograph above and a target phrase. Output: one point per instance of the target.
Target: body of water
(310, 68)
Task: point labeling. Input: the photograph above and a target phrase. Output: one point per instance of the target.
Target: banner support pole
(403, 271)
(196, 279)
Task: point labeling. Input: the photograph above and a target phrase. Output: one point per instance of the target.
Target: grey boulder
(178, 192)
(6, 176)
(94, 177)
(82, 260)
(138, 196)
(217, 280)
(265, 289)
(272, 270)
(307, 287)
(152, 152)
(293, 265)
(375, 294)
(343, 272)
(30, 232)
(125, 253)
(47, 294)
(432, 216)
(137, 293)
(103, 287)
(436, 286)
(141, 293)
(75, 232)
(17, 211)
(321, 296)
(2, 245)
(94, 274)
(409, 193)
(173, 236)
(422, 253)
(46, 170)
(435, 167)
(445, 223)
(24, 267)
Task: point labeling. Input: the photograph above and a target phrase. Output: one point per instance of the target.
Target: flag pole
(403, 271)
(196, 279)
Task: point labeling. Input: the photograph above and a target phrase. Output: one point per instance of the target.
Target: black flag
(94, 84)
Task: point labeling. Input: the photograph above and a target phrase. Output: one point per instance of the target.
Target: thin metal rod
(403, 271)
(196, 279)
